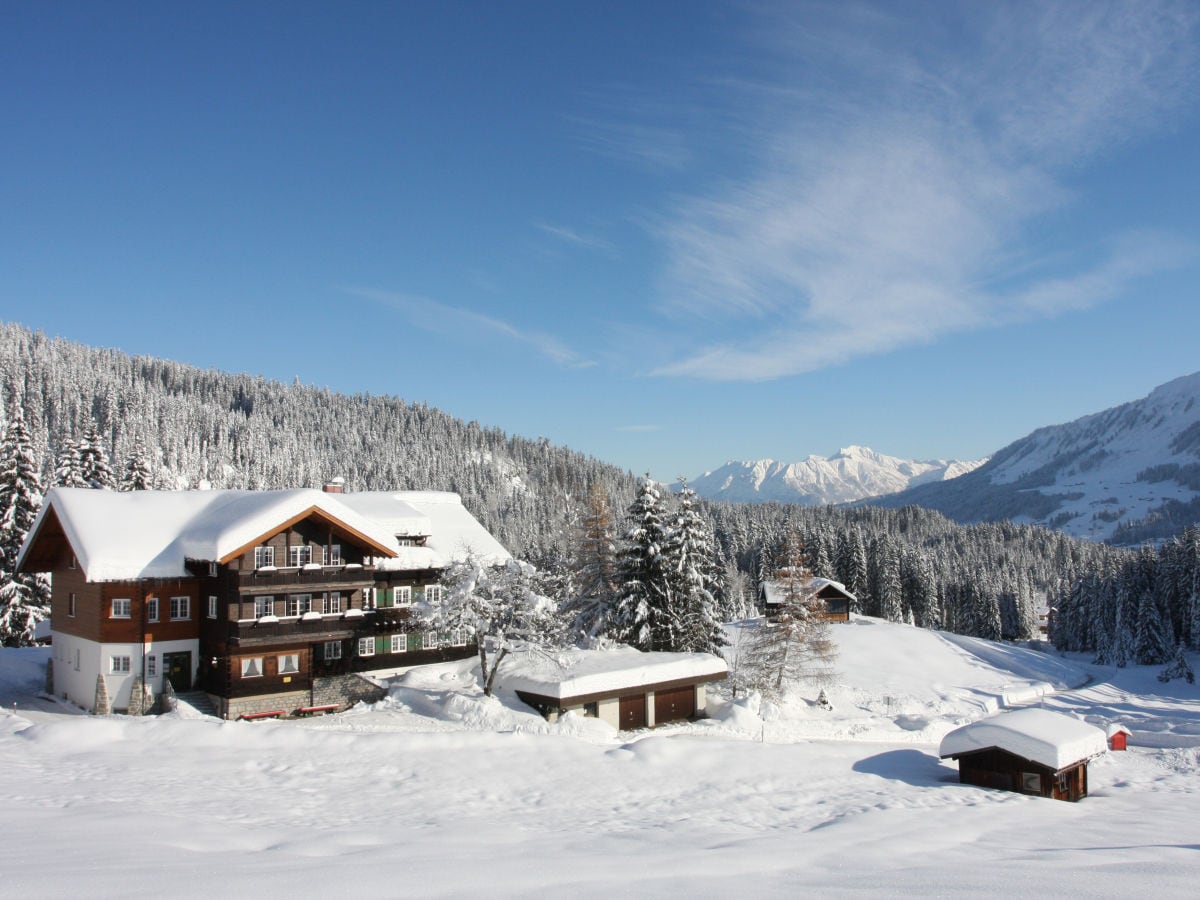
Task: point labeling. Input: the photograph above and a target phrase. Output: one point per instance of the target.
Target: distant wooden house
(836, 598)
(625, 688)
(1028, 751)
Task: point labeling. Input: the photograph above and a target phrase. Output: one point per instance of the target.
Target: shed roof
(1049, 738)
(773, 590)
(576, 673)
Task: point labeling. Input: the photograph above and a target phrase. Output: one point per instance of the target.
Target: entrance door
(178, 668)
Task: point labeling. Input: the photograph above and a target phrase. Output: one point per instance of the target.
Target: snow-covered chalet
(268, 602)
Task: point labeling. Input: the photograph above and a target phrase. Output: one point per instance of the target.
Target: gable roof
(118, 536)
(453, 533)
(1049, 738)
(773, 591)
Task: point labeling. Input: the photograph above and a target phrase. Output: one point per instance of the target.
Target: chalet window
(73, 564)
(333, 650)
(151, 609)
(369, 598)
(120, 609)
(433, 594)
(406, 541)
(72, 604)
(299, 555)
(118, 665)
(331, 603)
(458, 637)
(212, 607)
(289, 664)
(403, 596)
(331, 555)
(252, 667)
(399, 643)
(299, 604)
(264, 556)
(366, 646)
(264, 606)
(181, 608)
(429, 640)
(212, 570)
(152, 665)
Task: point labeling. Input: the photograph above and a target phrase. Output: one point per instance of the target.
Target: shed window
(1031, 782)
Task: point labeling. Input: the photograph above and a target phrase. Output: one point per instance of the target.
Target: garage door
(633, 711)
(674, 705)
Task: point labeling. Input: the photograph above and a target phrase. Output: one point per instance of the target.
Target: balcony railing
(327, 628)
(311, 578)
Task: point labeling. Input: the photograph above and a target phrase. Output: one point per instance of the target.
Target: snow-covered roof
(122, 535)
(577, 673)
(126, 535)
(1116, 728)
(453, 532)
(773, 590)
(1049, 738)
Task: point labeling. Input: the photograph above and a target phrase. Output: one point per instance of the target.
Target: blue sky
(665, 234)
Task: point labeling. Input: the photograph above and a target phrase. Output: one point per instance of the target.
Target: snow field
(440, 792)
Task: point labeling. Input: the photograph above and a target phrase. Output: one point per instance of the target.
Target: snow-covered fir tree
(68, 469)
(24, 598)
(138, 475)
(691, 569)
(646, 616)
(93, 461)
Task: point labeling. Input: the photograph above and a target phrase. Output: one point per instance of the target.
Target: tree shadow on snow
(910, 766)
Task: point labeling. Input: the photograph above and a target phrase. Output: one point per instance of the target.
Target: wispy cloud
(892, 186)
(441, 318)
(576, 238)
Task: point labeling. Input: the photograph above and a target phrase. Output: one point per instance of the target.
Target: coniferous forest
(102, 417)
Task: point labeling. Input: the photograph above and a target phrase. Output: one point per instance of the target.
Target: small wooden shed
(1029, 751)
(623, 687)
(836, 598)
(1118, 737)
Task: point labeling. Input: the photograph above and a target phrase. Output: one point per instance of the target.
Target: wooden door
(178, 668)
(674, 705)
(633, 711)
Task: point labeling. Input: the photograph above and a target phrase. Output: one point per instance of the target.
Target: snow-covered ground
(438, 791)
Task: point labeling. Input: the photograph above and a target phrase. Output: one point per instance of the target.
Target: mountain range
(1125, 475)
(853, 473)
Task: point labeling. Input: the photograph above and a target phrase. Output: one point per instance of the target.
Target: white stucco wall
(77, 662)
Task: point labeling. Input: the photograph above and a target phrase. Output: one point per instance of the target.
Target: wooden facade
(1005, 771)
(302, 603)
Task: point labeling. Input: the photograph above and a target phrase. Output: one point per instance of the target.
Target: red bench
(312, 710)
(273, 714)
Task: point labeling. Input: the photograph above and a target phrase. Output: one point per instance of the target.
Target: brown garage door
(633, 711)
(674, 705)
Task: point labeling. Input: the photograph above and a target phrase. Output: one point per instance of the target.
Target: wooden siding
(999, 769)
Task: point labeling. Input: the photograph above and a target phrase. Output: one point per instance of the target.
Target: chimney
(334, 486)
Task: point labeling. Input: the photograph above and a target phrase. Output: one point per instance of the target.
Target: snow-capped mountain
(1128, 474)
(853, 473)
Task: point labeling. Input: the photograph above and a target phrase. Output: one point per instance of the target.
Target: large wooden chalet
(269, 602)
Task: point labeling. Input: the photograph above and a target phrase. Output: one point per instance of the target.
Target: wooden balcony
(253, 632)
(323, 578)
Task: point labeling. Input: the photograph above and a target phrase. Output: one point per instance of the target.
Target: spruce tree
(24, 598)
(692, 572)
(94, 461)
(645, 615)
(138, 474)
(68, 469)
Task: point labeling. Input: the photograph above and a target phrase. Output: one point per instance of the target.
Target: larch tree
(592, 610)
(795, 646)
(24, 598)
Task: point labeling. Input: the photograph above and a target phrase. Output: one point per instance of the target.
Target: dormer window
(264, 556)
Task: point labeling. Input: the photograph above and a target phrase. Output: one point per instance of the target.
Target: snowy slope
(441, 792)
(1091, 477)
(853, 473)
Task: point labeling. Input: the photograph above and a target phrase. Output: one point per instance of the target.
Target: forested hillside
(240, 431)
